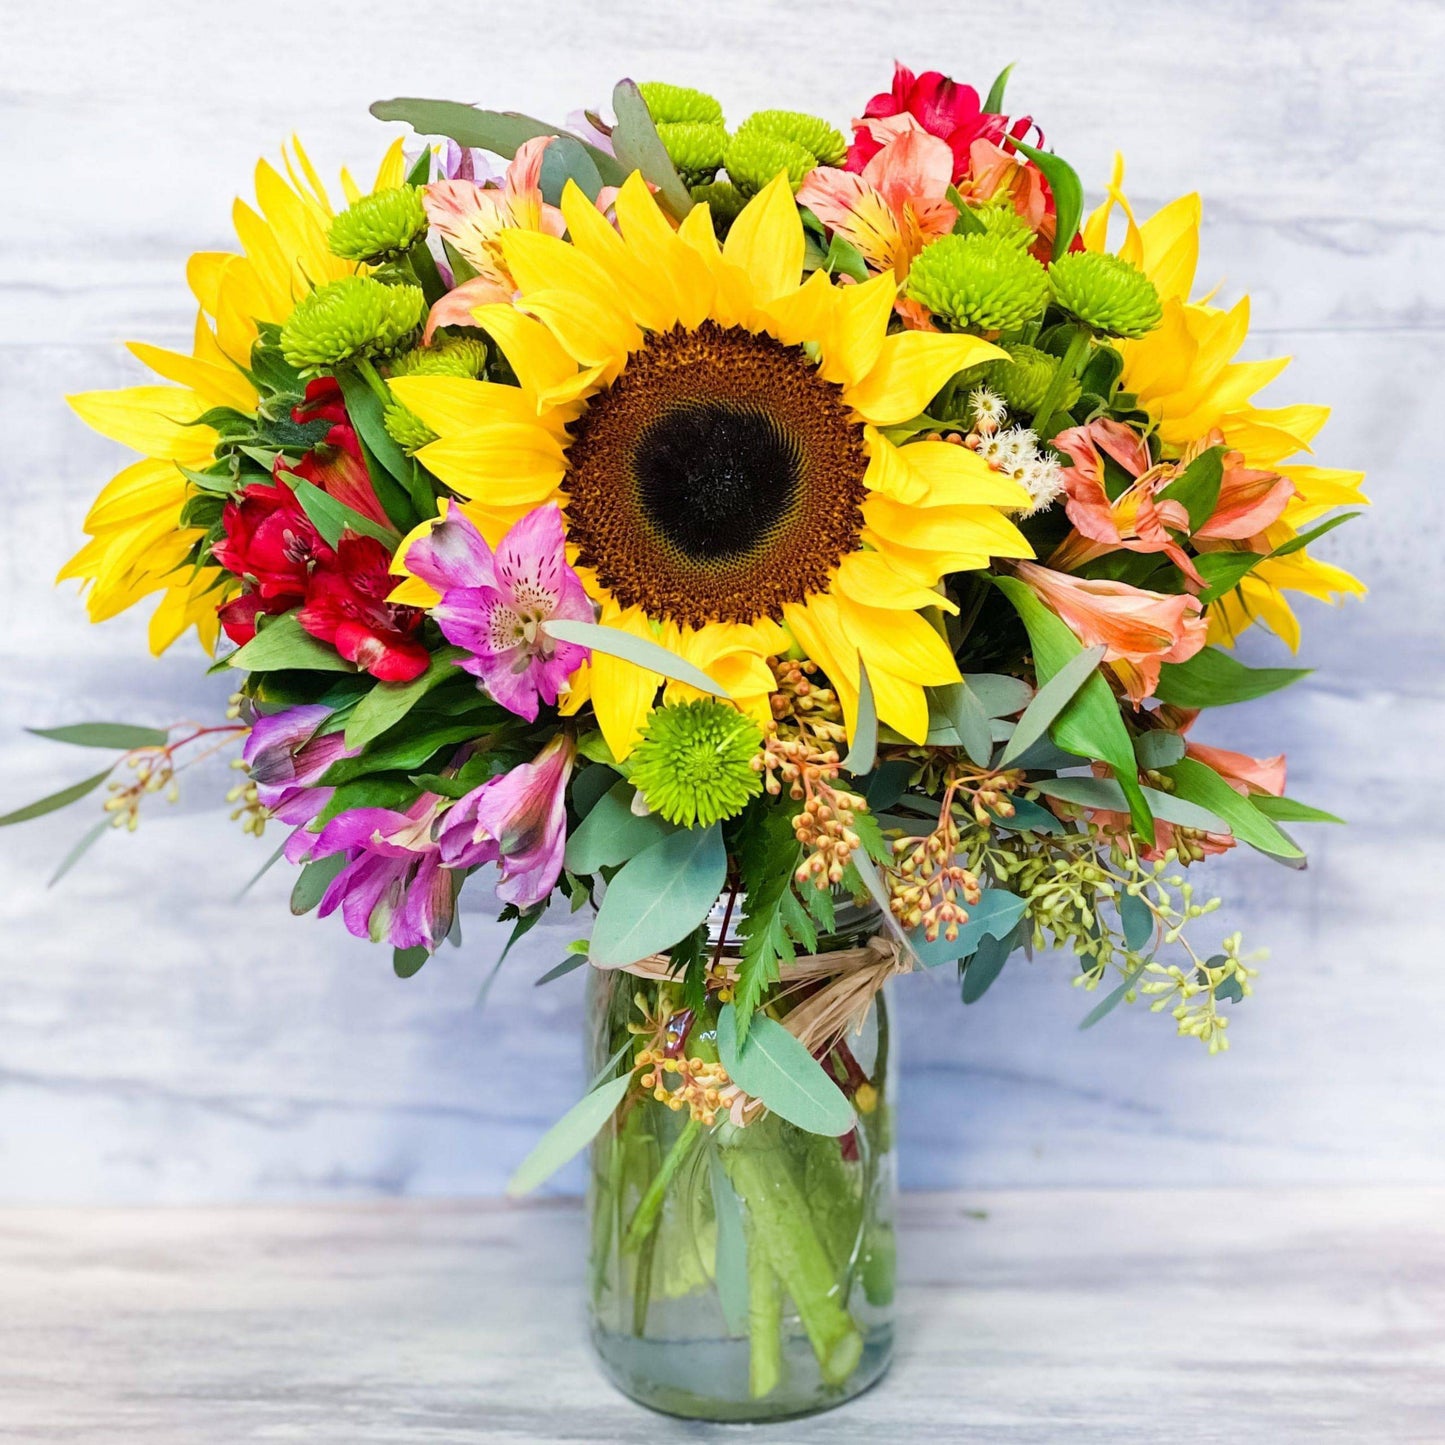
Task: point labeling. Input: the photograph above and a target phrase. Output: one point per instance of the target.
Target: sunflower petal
(911, 369)
(766, 240)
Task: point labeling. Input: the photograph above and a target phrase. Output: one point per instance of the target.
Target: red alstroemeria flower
(943, 107)
(271, 543)
(336, 465)
(346, 606)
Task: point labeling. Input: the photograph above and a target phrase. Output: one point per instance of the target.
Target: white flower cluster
(1014, 451)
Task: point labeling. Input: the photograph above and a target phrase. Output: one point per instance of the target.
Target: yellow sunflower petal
(766, 240)
(900, 703)
(219, 384)
(537, 358)
(911, 369)
(597, 240)
(157, 420)
(676, 271)
(452, 404)
(860, 324)
(977, 531)
(904, 642)
(870, 578)
(952, 475)
(592, 332)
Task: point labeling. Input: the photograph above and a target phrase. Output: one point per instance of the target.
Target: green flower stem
(765, 1324)
(423, 266)
(782, 1224)
(372, 377)
(1068, 369)
(644, 1219)
(642, 1285)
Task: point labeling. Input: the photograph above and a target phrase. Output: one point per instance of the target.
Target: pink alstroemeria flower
(287, 757)
(1139, 629)
(394, 885)
(495, 604)
(518, 821)
(897, 204)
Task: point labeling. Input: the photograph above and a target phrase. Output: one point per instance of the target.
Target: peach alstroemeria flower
(1139, 629)
(1243, 773)
(1250, 500)
(897, 205)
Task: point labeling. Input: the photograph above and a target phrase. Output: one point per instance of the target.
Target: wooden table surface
(1228, 1315)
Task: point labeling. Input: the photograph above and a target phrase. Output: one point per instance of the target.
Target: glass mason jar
(738, 1271)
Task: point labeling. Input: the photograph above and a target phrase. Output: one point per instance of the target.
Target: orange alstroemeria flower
(1139, 629)
(897, 205)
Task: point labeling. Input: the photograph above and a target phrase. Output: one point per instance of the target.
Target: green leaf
(407, 962)
(612, 833)
(104, 735)
(994, 104)
(73, 857)
(1158, 749)
(331, 518)
(773, 1066)
(985, 966)
(500, 132)
(561, 970)
(388, 702)
(284, 643)
(1106, 793)
(638, 147)
(1198, 487)
(1213, 678)
(863, 752)
(999, 694)
(1050, 701)
(402, 753)
(1137, 920)
(1200, 784)
(1305, 538)
(1029, 817)
(995, 915)
(388, 466)
(659, 895)
(313, 881)
(1287, 810)
(569, 1136)
(63, 798)
(1115, 998)
(964, 721)
(649, 655)
(767, 854)
(1068, 193)
(845, 259)
(1223, 571)
(730, 1256)
(1090, 725)
(567, 159)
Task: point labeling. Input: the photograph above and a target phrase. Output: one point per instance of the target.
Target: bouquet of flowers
(810, 551)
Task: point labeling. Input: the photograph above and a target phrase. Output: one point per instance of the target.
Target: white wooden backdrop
(159, 1041)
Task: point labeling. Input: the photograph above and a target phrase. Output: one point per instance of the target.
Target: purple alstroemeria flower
(394, 885)
(286, 756)
(494, 604)
(580, 124)
(518, 821)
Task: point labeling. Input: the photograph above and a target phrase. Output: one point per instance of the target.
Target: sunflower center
(717, 479)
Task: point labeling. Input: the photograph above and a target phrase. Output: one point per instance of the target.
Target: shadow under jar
(737, 1271)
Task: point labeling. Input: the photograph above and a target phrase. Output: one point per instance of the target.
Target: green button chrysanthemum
(349, 319)
(379, 227)
(986, 282)
(821, 140)
(723, 198)
(1107, 293)
(462, 356)
(693, 765)
(1023, 382)
(1006, 222)
(695, 148)
(679, 104)
(780, 140)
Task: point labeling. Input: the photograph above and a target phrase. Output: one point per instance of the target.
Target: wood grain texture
(161, 1042)
(1284, 1317)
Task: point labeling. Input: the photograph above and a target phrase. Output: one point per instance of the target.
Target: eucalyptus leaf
(1050, 701)
(1137, 919)
(864, 749)
(1158, 748)
(638, 147)
(772, 1065)
(313, 881)
(1114, 998)
(408, 962)
(50, 804)
(1029, 817)
(646, 654)
(985, 966)
(659, 896)
(995, 915)
(611, 833)
(104, 735)
(730, 1256)
(88, 839)
(561, 970)
(569, 1136)
(999, 694)
(958, 719)
(567, 159)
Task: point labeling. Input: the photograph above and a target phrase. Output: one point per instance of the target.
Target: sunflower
(712, 427)
(137, 545)
(1186, 378)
